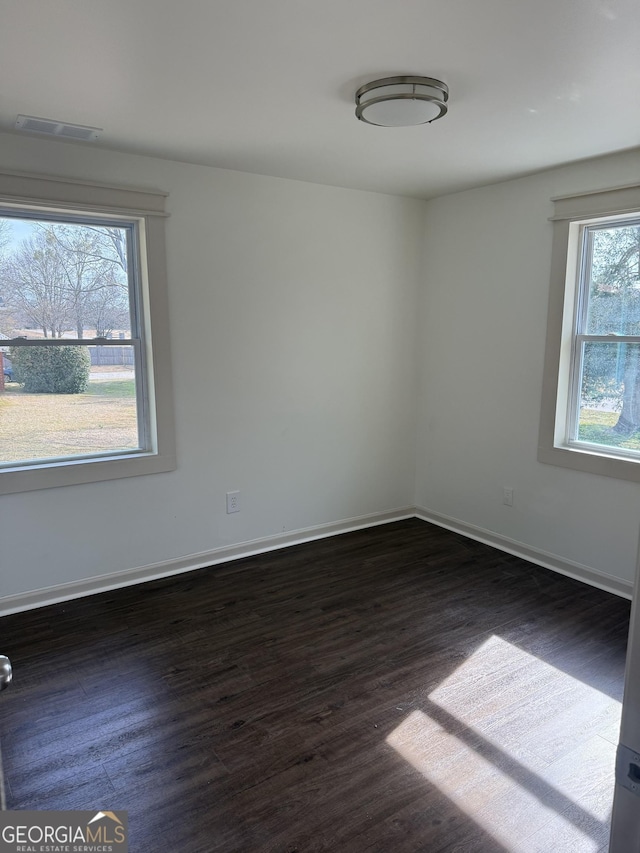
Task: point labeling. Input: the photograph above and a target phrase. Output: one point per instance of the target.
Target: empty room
(319, 426)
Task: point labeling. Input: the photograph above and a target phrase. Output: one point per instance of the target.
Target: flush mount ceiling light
(402, 101)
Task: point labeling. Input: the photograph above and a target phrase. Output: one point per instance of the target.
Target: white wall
(293, 343)
(483, 312)
(301, 367)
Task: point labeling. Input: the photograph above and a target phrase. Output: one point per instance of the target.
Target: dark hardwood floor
(394, 689)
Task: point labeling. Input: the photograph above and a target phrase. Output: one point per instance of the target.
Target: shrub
(51, 370)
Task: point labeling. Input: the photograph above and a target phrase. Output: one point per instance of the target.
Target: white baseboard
(129, 577)
(541, 558)
(104, 583)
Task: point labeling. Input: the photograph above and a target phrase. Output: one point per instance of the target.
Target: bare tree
(35, 285)
(107, 309)
(112, 242)
(68, 276)
(93, 268)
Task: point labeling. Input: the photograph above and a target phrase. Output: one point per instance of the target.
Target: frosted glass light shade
(401, 101)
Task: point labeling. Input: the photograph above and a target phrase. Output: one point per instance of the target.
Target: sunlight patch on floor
(496, 737)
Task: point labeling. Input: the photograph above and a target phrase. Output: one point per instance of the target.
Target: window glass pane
(609, 411)
(614, 283)
(61, 402)
(63, 279)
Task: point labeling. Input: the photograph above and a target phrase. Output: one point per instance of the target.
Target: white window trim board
(568, 210)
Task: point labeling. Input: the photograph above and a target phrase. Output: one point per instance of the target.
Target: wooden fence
(101, 356)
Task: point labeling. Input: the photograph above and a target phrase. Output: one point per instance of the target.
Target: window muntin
(604, 390)
(72, 282)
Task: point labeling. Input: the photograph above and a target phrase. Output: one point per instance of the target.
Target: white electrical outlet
(233, 502)
(507, 496)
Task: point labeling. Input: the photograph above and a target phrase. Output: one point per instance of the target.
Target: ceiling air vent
(58, 128)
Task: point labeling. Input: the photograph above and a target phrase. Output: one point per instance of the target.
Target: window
(591, 394)
(82, 294)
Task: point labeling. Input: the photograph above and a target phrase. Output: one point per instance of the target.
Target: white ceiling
(268, 86)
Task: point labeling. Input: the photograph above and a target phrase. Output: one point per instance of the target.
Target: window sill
(74, 473)
(622, 468)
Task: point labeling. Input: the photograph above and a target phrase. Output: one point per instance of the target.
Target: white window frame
(145, 209)
(572, 214)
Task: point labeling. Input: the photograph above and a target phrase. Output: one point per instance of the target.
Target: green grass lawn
(43, 426)
(597, 427)
(112, 388)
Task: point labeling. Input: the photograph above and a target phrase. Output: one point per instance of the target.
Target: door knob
(6, 673)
